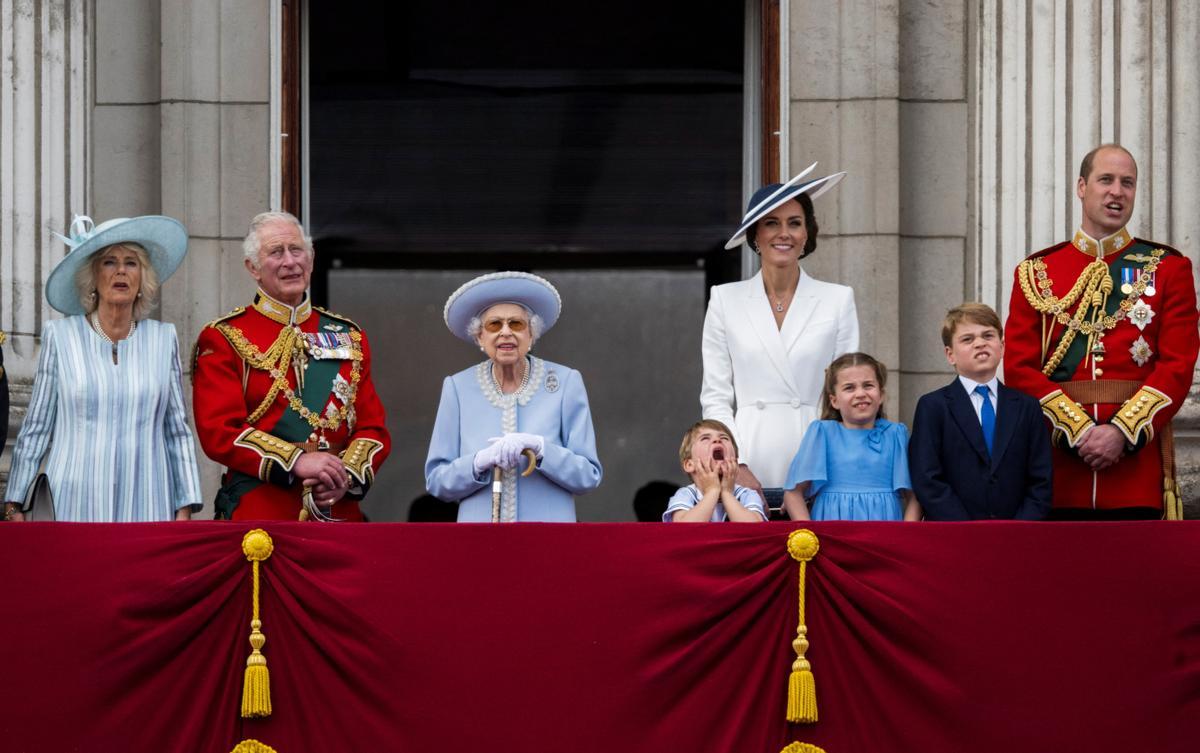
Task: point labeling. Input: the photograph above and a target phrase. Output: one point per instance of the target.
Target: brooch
(1140, 350)
(552, 382)
(1140, 314)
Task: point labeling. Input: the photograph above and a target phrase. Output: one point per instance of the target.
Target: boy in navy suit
(979, 450)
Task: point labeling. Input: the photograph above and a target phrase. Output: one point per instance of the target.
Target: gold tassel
(802, 545)
(1172, 505)
(256, 689)
(802, 748)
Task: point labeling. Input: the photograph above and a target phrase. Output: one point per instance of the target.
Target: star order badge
(1140, 350)
(1141, 314)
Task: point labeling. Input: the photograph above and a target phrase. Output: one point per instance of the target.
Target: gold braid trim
(1091, 290)
(1066, 416)
(1136, 415)
(270, 448)
(289, 346)
(357, 459)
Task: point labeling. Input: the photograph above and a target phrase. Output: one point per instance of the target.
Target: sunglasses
(514, 325)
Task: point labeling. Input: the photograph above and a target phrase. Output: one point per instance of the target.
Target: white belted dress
(765, 382)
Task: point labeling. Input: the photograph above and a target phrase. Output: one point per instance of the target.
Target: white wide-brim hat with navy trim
(768, 197)
(164, 238)
(485, 291)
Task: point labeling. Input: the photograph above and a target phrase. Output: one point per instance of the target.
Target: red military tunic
(1114, 324)
(244, 357)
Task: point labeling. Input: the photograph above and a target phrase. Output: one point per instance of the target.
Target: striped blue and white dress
(120, 448)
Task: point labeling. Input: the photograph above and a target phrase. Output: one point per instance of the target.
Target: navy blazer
(953, 475)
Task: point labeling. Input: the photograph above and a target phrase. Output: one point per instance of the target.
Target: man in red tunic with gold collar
(282, 393)
(1102, 330)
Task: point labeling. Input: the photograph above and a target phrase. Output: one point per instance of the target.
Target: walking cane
(498, 482)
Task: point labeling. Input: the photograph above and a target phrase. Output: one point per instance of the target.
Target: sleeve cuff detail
(1066, 416)
(1136, 414)
(276, 453)
(358, 459)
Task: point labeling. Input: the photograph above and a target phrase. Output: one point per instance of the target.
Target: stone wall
(178, 123)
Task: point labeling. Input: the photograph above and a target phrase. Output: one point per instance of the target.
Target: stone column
(44, 91)
(934, 144)
(844, 112)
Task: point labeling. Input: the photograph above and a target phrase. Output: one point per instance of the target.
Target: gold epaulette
(196, 348)
(1066, 416)
(339, 317)
(270, 448)
(236, 312)
(357, 459)
(3, 337)
(1137, 413)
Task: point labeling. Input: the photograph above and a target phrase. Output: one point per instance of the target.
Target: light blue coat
(472, 410)
(117, 434)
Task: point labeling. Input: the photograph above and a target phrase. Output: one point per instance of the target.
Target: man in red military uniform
(1102, 330)
(282, 393)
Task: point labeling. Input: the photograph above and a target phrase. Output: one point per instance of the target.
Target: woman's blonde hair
(85, 280)
(846, 361)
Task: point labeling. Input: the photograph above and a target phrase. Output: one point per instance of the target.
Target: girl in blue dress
(853, 463)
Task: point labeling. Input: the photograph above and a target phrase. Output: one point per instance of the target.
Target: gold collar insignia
(279, 312)
(1103, 247)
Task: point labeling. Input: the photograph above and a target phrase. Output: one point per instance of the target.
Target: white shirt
(993, 386)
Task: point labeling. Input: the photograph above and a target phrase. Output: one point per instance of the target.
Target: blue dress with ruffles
(853, 474)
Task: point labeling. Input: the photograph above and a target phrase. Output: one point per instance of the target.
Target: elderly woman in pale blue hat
(513, 440)
(768, 339)
(107, 413)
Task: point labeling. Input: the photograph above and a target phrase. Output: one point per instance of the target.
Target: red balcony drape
(938, 638)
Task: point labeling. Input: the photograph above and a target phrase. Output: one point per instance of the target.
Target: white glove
(489, 457)
(514, 444)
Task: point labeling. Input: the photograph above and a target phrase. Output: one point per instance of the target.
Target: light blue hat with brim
(485, 291)
(164, 238)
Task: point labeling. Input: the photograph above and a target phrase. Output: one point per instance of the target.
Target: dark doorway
(599, 146)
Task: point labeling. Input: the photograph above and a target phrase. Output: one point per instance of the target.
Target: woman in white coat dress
(767, 340)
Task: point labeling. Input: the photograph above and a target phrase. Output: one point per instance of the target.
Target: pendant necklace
(95, 320)
(779, 305)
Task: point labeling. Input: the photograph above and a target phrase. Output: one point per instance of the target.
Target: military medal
(1127, 280)
(1149, 278)
(328, 345)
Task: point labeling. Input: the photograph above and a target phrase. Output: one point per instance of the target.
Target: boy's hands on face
(708, 476)
(728, 470)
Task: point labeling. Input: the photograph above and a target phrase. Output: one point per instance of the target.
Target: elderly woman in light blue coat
(509, 407)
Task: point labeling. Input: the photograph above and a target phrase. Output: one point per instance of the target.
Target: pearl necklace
(524, 379)
(95, 321)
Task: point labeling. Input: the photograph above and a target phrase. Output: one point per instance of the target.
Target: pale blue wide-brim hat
(770, 196)
(485, 291)
(165, 240)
